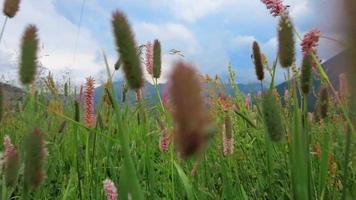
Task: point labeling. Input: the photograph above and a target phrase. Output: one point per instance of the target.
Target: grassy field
(58, 144)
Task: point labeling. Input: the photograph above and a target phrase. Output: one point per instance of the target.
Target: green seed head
(272, 116)
(127, 48)
(35, 154)
(76, 111)
(257, 58)
(11, 7)
(28, 58)
(306, 73)
(286, 43)
(157, 59)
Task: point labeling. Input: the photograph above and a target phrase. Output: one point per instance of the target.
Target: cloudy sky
(210, 33)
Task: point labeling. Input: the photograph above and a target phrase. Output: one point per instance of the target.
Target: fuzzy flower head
(35, 155)
(276, 7)
(149, 58)
(228, 139)
(110, 190)
(89, 117)
(12, 162)
(248, 101)
(310, 41)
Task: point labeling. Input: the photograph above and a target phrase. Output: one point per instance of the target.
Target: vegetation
(194, 143)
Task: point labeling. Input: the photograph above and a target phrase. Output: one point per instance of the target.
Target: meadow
(193, 140)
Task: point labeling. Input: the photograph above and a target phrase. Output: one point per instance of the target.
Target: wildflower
(11, 7)
(164, 140)
(332, 165)
(156, 59)
(257, 59)
(188, 109)
(317, 150)
(272, 116)
(127, 48)
(12, 162)
(286, 42)
(228, 140)
(225, 102)
(28, 58)
(35, 155)
(110, 189)
(89, 117)
(310, 41)
(276, 7)
(305, 81)
(248, 101)
(149, 58)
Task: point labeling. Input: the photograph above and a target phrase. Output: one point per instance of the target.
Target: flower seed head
(272, 116)
(12, 162)
(188, 109)
(257, 58)
(11, 7)
(28, 58)
(286, 42)
(157, 59)
(127, 48)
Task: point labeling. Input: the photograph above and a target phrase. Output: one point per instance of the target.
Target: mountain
(149, 90)
(13, 95)
(333, 68)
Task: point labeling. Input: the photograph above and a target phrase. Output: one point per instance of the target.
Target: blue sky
(211, 33)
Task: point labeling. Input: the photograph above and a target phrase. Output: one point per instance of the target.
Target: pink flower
(276, 7)
(10, 150)
(89, 117)
(164, 141)
(310, 41)
(110, 190)
(149, 57)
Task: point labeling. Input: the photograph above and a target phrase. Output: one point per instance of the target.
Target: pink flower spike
(89, 116)
(164, 141)
(110, 190)
(149, 58)
(276, 7)
(310, 41)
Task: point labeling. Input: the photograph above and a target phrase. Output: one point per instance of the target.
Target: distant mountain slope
(12, 95)
(149, 90)
(333, 67)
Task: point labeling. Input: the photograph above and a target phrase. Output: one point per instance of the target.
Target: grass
(311, 161)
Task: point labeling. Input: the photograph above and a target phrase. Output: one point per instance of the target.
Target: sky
(210, 33)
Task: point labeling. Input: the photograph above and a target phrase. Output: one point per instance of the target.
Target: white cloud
(243, 40)
(171, 35)
(57, 38)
